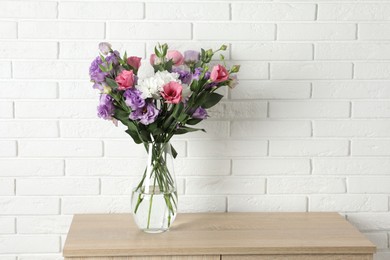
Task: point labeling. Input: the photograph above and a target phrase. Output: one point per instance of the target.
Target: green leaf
(193, 121)
(211, 100)
(132, 128)
(112, 83)
(174, 153)
(186, 129)
(102, 68)
(177, 110)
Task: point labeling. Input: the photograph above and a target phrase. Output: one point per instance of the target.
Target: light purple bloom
(106, 107)
(96, 74)
(105, 47)
(145, 115)
(200, 113)
(184, 76)
(98, 86)
(133, 98)
(191, 56)
(113, 58)
(197, 73)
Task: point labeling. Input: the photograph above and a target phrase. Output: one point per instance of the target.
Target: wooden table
(215, 236)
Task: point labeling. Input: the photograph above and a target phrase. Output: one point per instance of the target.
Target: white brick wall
(307, 129)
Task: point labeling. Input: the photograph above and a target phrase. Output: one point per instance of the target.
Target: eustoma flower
(125, 79)
(133, 98)
(176, 57)
(191, 57)
(172, 92)
(106, 107)
(134, 62)
(95, 73)
(146, 115)
(219, 74)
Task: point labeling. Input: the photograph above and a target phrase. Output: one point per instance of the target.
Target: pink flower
(134, 62)
(176, 57)
(125, 79)
(219, 74)
(172, 92)
(153, 59)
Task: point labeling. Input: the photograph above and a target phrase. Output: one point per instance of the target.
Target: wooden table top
(217, 233)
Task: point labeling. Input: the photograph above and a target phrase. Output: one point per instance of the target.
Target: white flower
(152, 86)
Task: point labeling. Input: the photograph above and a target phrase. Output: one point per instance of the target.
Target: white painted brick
(101, 10)
(56, 109)
(267, 203)
(7, 148)
(374, 31)
(352, 51)
(187, 11)
(7, 225)
(88, 129)
(28, 50)
(271, 128)
(28, 9)
(381, 255)
(61, 30)
(106, 167)
(201, 167)
(29, 205)
(27, 89)
(370, 109)
(57, 186)
(351, 128)
(42, 257)
(5, 71)
(127, 148)
(308, 147)
(348, 203)
(194, 204)
(7, 257)
(78, 90)
(6, 109)
(273, 11)
(256, 89)
(311, 70)
(43, 224)
(351, 166)
(50, 70)
(378, 239)
(125, 186)
(7, 187)
(316, 31)
(227, 148)
(351, 89)
(29, 244)
(270, 166)
(239, 110)
(149, 31)
(8, 30)
(308, 109)
(60, 148)
(228, 31)
(354, 11)
(31, 167)
(371, 147)
(370, 221)
(372, 70)
(28, 128)
(214, 129)
(272, 51)
(253, 70)
(96, 204)
(89, 49)
(305, 185)
(372, 184)
(225, 185)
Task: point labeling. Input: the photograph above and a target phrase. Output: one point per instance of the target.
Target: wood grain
(297, 257)
(208, 257)
(218, 234)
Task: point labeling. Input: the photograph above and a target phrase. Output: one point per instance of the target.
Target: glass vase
(154, 199)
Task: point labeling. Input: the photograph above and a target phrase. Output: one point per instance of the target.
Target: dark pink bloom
(176, 57)
(134, 62)
(172, 92)
(219, 74)
(125, 79)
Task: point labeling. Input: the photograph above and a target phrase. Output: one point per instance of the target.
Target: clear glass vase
(154, 199)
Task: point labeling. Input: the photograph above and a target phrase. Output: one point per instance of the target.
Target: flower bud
(105, 47)
(223, 47)
(235, 69)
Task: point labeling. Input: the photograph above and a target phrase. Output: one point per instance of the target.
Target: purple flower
(184, 76)
(105, 47)
(207, 75)
(96, 74)
(106, 107)
(113, 58)
(146, 115)
(133, 98)
(197, 73)
(191, 56)
(200, 113)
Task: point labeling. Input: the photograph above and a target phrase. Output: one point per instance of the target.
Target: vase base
(154, 231)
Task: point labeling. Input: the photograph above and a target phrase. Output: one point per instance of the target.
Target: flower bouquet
(155, 102)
